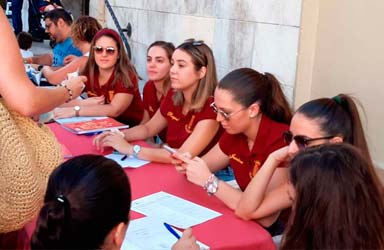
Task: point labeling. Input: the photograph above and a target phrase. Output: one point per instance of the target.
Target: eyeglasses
(300, 140)
(223, 113)
(108, 50)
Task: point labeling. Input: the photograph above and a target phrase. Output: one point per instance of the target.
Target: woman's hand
(186, 242)
(197, 171)
(76, 85)
(64, 112)
(179, 160)
(281, 155)
(115, 140)
(97, 100)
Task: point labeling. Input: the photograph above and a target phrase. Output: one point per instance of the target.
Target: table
(226, 232)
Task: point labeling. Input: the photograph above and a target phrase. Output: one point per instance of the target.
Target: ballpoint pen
(171, 230)
(124, 157)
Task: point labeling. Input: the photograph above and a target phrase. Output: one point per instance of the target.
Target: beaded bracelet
(70, 93)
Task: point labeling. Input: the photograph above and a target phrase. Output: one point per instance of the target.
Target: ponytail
(277, 107)
(249, 86)
(357, 136)
(53, 219)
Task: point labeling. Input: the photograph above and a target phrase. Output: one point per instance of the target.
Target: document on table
(150, 233)
(175, 211)
(126, 162)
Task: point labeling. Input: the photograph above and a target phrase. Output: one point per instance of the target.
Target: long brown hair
(123, 67)
(249, 86)
(338, 202)
(202, 56)
(169, 48)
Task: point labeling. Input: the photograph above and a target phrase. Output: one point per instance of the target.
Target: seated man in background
(58, 25)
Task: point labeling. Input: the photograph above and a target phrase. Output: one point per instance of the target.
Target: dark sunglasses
(108, 50)
(300, 140)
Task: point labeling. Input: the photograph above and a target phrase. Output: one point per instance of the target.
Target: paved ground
(40, 48)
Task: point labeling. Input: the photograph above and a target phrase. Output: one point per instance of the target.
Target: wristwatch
(211, 185)
(77, 110)
(136, 150)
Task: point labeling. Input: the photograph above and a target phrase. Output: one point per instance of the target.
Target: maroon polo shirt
(246, 163)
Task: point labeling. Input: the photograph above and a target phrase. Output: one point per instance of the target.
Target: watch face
(136, 149)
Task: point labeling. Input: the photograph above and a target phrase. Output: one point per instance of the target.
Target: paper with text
(174, 210)
(128, 162)
(150, 233)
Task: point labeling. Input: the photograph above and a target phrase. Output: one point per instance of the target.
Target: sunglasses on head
(301, 140)
(194, 42)
(108, 50)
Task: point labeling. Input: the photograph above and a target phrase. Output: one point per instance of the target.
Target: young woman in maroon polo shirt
(112, 85)
(254, 112)
(325, 120)
(159, 55)
(185, 112)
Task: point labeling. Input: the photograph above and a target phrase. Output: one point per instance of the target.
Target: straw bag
(28, 154)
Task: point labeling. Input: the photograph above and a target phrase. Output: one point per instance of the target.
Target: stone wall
(261, 34)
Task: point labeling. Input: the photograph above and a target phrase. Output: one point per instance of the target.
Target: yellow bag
(28, 154)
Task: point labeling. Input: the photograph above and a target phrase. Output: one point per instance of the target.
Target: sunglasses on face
(301, 140)
(223, 113)
(108, 50)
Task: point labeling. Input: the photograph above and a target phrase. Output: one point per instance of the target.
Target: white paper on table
(150, 233)
(173, 210)
(79, 119)
(128, 162)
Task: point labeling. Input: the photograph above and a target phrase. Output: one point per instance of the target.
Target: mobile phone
(169, 149)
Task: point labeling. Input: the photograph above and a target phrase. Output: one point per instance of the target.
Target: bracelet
(70, 93)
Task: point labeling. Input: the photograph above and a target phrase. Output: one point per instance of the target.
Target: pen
(171, 230)
(123, 158)
(169, 149)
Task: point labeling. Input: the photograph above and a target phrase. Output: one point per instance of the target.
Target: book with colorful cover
(93, 126)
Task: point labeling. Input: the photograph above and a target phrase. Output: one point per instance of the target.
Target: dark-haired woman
(337, 202)
(86, 206)
(159, 55)
(254, 112)
(325, 120)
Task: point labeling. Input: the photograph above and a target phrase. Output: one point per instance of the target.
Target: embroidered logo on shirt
(111, 93)
(233, 157)
(188, 127)
(255, 169)
(170, 114)
(91, 94)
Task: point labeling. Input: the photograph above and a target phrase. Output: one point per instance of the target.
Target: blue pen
(171, 230)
